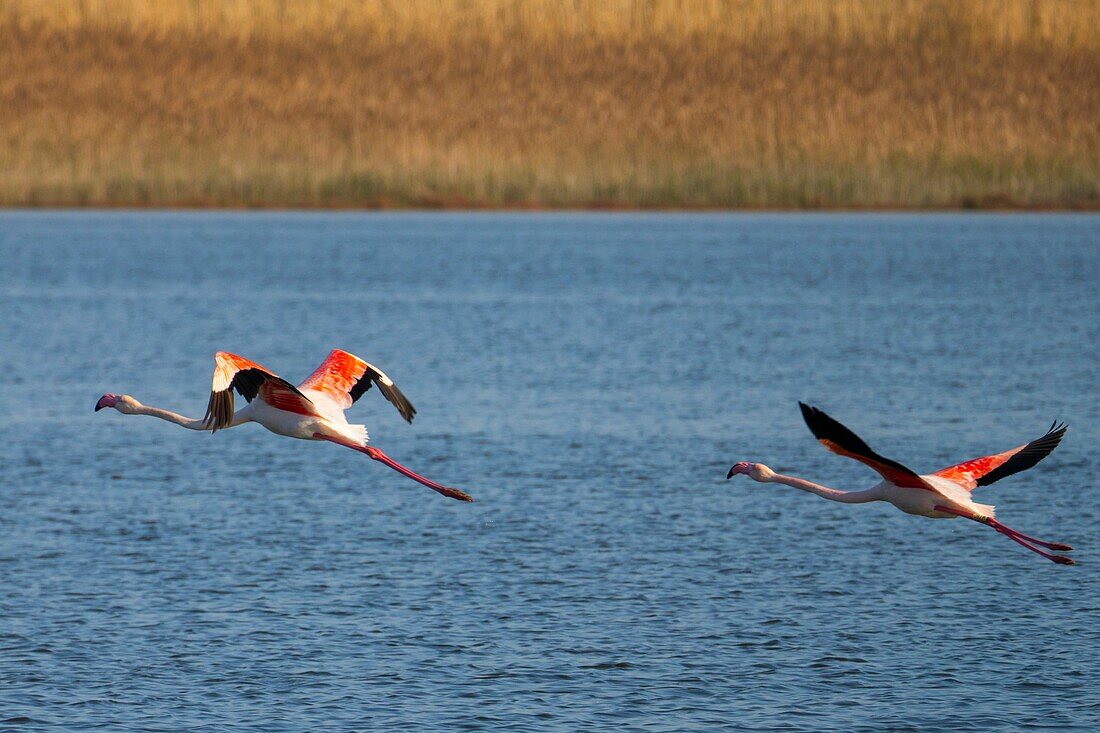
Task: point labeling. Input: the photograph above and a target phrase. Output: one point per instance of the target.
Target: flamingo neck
(172, 417)
(846, 497)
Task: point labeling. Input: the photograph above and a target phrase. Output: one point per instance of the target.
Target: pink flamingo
(314, 410)
(944, 494)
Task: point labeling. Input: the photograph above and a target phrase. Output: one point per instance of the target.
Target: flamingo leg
(381, 457)
(1005, 529)
(1049, 545)
(1011, 534)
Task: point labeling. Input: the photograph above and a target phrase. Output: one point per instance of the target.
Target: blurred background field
(550, 103)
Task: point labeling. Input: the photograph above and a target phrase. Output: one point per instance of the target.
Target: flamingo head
(755, 471)
(123, 403)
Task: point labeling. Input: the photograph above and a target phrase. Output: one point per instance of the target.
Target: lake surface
(589, 379)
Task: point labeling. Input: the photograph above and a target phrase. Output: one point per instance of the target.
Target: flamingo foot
(455, 494)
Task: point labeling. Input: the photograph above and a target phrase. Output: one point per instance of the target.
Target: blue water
(590, 379)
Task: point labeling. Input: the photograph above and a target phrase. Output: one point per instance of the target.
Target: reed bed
(621, 103)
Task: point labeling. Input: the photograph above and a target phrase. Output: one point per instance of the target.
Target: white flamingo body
(303, 427)
(957, 498)
(313, 410)
(944, 494)
(923, 503)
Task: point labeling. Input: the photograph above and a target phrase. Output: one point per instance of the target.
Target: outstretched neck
(182, 420)
(172, 417)
(847, 497)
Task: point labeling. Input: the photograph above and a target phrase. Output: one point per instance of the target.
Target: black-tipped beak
(107, 400)
(728, 475)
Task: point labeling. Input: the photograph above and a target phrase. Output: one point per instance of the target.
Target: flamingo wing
(345, 377)
(842, 441)
(249, 379)
(988, 469)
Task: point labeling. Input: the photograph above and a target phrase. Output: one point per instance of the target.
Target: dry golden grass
(722, 103)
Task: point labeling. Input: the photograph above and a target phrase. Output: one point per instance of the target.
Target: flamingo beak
(738, 468)
(107, 400)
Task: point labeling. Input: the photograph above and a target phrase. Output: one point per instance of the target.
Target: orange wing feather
(988, 469)
(227, 365)
(232, 372)
(337, 376)
(345, 377)
(966, 474)
(893, 475)
(284, 396)
(842, 441)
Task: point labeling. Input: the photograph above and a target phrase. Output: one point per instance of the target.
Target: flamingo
(944, 494)
(314, 410)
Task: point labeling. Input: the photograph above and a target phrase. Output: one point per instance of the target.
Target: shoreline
(474, 207)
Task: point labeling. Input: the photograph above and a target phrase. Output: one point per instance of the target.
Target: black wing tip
(1050, 440)
(373, 377)
(824, 427)
(815, 419)
(401, 402)
(1029, 455)
(1054, 435)
(219, 411)
(396, 398)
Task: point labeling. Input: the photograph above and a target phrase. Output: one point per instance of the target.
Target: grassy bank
(652, 103)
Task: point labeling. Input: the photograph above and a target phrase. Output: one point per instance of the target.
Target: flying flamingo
(944, 494)
(314, 410)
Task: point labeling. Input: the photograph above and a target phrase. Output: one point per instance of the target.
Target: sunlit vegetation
(560, 103)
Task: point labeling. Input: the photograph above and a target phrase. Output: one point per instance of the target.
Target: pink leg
(381, 457)
(1060, 559)
(1049, 545)
(1005, 529)
(1007, 532)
